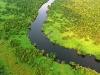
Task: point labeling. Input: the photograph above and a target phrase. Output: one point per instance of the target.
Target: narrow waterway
(64, 54)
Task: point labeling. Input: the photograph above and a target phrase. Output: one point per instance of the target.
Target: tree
(53, 55)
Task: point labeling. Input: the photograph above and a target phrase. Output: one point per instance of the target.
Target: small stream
(64, 54)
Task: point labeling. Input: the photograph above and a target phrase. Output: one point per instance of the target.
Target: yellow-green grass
(75, 24)
(17, 55)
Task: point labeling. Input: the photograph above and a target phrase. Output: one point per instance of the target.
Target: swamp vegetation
(17, 55)
(75, 24)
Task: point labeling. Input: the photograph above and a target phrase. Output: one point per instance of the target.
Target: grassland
(75, 24)
(17, 55)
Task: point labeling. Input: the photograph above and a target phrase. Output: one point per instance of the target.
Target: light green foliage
(75, 24)
(17, 55)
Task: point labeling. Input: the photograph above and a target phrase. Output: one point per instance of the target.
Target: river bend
(64, 54)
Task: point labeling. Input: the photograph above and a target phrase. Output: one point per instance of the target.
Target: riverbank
(75, 24)
(17, 55)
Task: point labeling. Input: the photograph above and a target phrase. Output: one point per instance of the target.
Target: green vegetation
(17, 55)
(75, 24)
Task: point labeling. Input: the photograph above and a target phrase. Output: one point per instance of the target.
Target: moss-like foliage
(75, 24)
(17, 55)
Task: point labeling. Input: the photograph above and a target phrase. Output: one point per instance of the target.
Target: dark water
(64, 54)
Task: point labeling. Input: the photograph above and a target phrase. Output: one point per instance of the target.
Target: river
(64, 54)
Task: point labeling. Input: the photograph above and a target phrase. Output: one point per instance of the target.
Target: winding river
(64, 54)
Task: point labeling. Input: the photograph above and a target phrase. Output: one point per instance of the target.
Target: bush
(14, 42)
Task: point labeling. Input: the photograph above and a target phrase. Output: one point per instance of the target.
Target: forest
(17, 55)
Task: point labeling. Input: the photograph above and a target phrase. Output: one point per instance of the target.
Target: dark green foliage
(70, 15)
(27, 54)
(32, 57)
(16, 16)
(14, 43)
(2, 69)
(40, 71)
(6, 37)
(52, 55)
